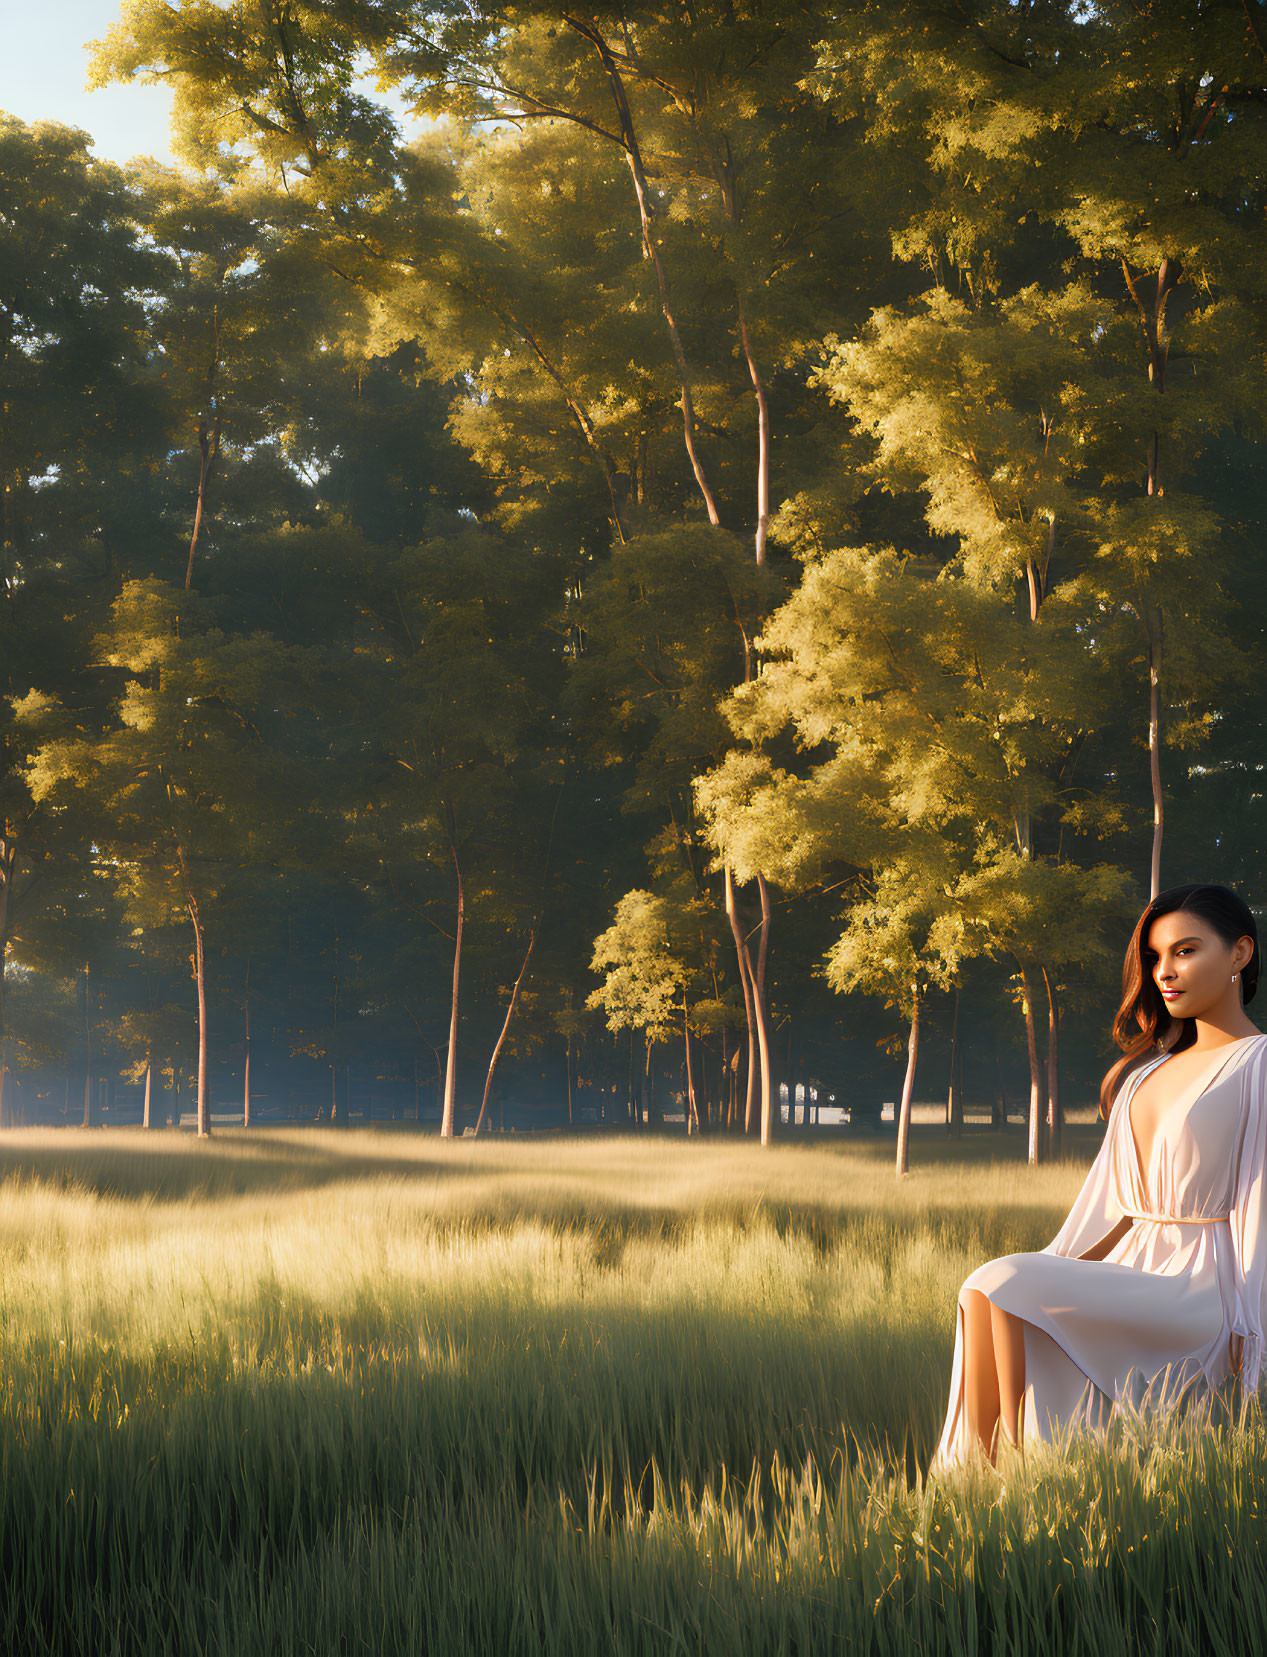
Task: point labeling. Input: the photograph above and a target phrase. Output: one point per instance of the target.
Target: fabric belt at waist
(1176, 1219)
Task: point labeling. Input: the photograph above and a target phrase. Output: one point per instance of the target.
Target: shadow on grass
(175, 1168)
(503, 1191)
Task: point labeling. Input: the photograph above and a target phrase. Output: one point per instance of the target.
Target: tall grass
(309, 1392)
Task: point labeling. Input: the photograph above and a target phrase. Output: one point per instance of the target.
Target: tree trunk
(451, 1063)
(1152, 319)
(1156, 638)
(655, 1111)
(200, 981)
(204, 1104)
(745, 979)
(954, 1093)
(763, 434)
(246, 1059)
(147, 1119)
(209, 450)
(8, 863)
(87, 1055)
(510, 1013)
(633, 155)
(692, 1111)
(1037, 1081)
(908, 1087)
(1055, 1113)
(761, 1009)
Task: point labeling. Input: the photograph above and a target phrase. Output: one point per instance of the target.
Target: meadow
(370, 1392)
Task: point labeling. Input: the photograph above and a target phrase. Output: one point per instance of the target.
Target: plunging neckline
(1206, 1078)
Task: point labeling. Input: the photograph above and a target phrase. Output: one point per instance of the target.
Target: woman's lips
(1172, 995)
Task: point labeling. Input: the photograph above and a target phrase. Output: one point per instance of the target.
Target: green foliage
(645, 978)
(762, 441)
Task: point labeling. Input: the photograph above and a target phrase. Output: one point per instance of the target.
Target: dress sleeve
(1249, 1223)
(1096, 1209)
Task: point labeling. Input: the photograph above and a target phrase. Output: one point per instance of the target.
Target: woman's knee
(992, 1275)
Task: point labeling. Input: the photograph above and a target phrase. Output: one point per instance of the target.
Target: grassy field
(371, 1393)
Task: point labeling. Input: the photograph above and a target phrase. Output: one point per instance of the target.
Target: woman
(1152, 1289)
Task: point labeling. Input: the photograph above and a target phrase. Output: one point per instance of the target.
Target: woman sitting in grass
(1151, 1292)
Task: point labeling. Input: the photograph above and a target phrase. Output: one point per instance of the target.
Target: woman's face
(1191, 965)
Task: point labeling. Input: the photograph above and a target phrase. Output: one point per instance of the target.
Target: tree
(181, 784)
(71, 285)
(900, 940)
(936, 727)
(646, 957)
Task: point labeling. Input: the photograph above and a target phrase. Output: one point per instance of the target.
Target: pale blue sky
(43, 66)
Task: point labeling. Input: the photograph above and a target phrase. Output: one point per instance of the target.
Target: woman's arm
(1249, 1223)
(1096, 1221)
(1098, 1250)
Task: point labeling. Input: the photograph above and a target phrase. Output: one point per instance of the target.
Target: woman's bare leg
(1009, 1359)
(980, 1372)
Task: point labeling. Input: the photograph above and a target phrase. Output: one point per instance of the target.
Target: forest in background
(732, 557)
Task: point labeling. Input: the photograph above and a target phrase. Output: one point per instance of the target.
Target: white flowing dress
(1151, 1323)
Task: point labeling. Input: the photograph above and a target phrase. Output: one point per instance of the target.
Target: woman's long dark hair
(1143, 1026)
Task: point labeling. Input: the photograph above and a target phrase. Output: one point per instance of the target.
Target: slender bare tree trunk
(208, 444)
(745, 979)
(768, 1107)
(8, 866)
(1055, 1112)
(954, 1093)
(209, 450)
(246, 1036)
(692, 1110)
(451, 1064)
(1152, 322)
(1037, 1080)
(87, 1054)
(1156, 639)
(200, 977)
(763, 433)
(510, 1013)
(908, 1087)
(200, 981)
(147, 1119)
